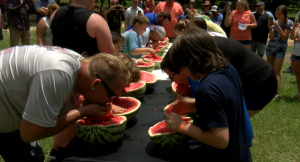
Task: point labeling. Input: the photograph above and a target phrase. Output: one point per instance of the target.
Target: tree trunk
(253, 5)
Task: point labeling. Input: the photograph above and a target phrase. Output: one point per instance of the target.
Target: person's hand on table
(117, 109)
(173, 121)
(140, 60)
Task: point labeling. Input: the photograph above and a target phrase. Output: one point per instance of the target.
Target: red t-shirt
(235, 32)
(175, 10)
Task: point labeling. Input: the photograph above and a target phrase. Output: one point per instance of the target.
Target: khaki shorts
(16, 35)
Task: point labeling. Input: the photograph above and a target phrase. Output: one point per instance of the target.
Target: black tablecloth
(135, 144)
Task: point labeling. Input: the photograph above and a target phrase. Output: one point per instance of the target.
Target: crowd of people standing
(213, 53)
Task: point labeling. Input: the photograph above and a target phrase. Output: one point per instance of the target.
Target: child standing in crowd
(133, 46)
(295, 58)
(118, 40)
(279, 33)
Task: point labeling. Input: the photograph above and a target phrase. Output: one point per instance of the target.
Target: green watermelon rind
(174, 93)
(97, 134)
(150, 85)
(169, 140)
(131, 114)
(157, 63)
(147, 68)
(137, 93)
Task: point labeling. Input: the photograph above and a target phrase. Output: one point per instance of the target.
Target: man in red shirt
(175, 10)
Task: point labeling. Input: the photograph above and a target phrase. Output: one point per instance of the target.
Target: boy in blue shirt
(133, 46)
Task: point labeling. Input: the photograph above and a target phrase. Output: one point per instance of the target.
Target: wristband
(181, 126)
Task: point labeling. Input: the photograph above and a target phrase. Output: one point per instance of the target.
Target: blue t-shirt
(219, 102)
(194, 86)
(42, 3)
(152, 19)
(218, 19)
(131, 43)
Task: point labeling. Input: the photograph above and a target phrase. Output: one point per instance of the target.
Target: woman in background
(43, 32)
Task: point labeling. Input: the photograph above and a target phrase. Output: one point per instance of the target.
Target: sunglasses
(109, 92)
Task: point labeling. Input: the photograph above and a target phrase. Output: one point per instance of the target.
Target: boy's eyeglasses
(109, 92)
(172, 76)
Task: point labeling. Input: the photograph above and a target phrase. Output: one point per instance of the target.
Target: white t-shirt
(296, 48)
(130, 14)
(36, 83)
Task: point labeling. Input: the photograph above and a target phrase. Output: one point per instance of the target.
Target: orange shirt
(150, 4)
(235, 32)
(175, 10)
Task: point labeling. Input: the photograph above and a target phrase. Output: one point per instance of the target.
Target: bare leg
(248, 46)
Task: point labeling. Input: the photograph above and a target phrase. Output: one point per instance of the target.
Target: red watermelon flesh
(163, 128)
(165, 39)
(144, 64)
(147, 77)
(179, 109)
(134, 86)
(106, 120)
(127, 103)
(162, 45)
(152, 57)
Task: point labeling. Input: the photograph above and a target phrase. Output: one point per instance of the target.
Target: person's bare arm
(283, 34)
(143, 51)
(98, 28)
(296, 34)
(108, 11)
(32, 132)
(253, 23)
(126, 23)
(228, 19)
(42, 11)
(295, 31)
(40, 31)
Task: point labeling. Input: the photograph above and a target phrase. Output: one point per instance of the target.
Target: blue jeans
(293, 57)
(13, 149)
(277, 54)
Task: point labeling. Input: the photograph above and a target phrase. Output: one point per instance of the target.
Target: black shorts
(12, 148)
(257, 96)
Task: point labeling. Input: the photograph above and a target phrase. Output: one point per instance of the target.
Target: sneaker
(276, 96)
(53, 154)
(288, 70)
(296, 96)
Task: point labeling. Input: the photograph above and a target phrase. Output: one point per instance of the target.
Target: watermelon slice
(131, 104)
(153, 58)
(149, 78)
(180, 110)
(166, 39)
(146, 66)
(136, 90)
(158, 48)
(183, 88)
(101, 130)
(164, 137)
(163, 44)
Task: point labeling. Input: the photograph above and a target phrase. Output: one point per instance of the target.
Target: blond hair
(140, 19)
(131, 65)
(182, 24)
(244, 3)
(109, 67)
(51, 8)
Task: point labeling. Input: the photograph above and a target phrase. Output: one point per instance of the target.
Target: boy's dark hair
(166, 63)
(196, 50)
(140, 19)
(116, 37)
(165, 15)
(200, 22)
(131, 65)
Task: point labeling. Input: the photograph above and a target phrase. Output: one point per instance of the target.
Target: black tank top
(69, 30)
